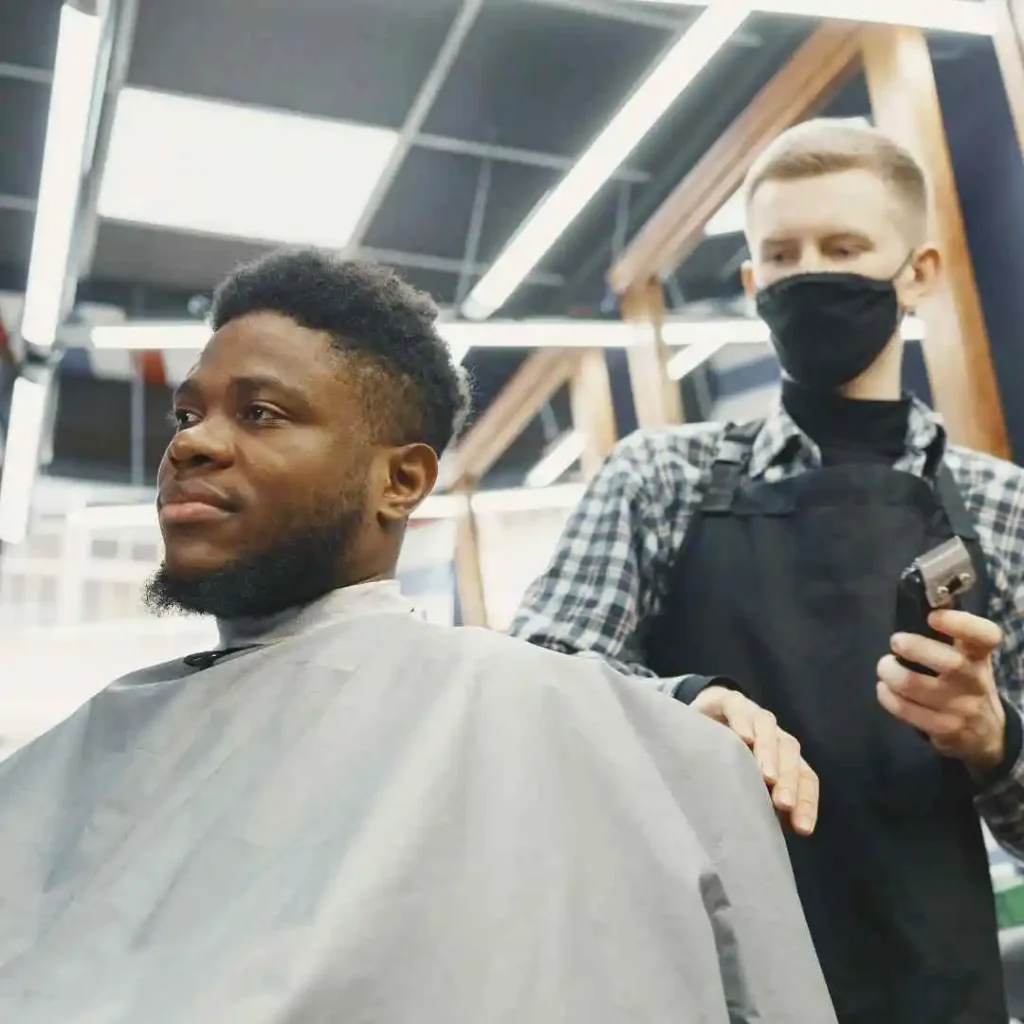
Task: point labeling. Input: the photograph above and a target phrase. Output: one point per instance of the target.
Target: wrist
(989, 762)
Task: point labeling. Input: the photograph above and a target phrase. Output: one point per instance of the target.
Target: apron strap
(729, 466)
(952, 501)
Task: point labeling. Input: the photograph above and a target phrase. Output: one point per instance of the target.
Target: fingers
(939, 726)
(740, 715)
(793, 784)
(979, 637)
(795, 792)
(934, 654)
(805, 814)
(766, 744)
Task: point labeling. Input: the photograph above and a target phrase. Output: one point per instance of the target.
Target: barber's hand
(793, 785)
(959, 710)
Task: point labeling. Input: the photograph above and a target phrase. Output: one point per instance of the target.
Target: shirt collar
(780, 437)
(381, 597)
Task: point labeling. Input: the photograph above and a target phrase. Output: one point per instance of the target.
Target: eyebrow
(189, 389)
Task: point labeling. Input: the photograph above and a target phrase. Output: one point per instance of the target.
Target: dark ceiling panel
(541, 77)
(23, 110)
(129, 252)
(428, 207)
(515, 190)
(15, 237)
(362, 60)
(28, 32)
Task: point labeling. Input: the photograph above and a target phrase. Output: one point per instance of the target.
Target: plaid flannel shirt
(611, 570)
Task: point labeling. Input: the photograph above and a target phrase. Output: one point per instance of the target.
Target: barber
(769, 552)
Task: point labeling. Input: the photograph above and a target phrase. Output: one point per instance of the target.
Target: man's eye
(259, 414)
(183, 419)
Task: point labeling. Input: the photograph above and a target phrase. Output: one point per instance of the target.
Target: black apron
(790, 589)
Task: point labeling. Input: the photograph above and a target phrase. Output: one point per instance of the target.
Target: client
(347, 814)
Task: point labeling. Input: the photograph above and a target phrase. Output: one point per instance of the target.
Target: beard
(301, 567)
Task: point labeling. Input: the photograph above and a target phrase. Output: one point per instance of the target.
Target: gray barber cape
(374, 820)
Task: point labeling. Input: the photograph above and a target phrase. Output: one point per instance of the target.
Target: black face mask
(828, 329)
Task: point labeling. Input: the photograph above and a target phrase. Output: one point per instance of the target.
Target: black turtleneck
(849, 429)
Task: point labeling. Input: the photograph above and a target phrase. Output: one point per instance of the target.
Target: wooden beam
(540, 376)
(469, 577)
(593, 411)
(657, 399)
(804, 84)
(1008, 38)
(905, 103)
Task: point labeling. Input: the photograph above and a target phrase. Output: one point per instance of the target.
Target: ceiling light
(688, 358)
(179, 336)
(557, 459)
(436, 506)
(731, 217)
(21, 456)
(559, 208)
(970, 17)
(67, 129)
(195, 165)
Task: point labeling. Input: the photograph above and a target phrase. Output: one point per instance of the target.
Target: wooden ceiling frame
(540, 376)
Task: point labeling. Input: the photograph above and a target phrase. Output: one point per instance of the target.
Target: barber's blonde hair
(827, 146)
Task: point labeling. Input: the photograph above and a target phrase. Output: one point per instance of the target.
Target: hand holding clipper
(935, 580)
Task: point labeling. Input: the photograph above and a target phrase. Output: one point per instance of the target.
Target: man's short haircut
(827, 146)
(383, 327)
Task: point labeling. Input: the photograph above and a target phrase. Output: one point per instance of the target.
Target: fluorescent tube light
(170, 337)
(662, 86)
(21, 457)
(67, 126)
(156, 335)
(689, 357)
(436, 506)
(558, 458)
(966, 16)
(195, 165)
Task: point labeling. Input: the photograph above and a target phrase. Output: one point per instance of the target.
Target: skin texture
(271, 429)
(853, 222)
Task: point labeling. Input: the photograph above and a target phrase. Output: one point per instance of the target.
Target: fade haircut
(827, 146)
(382, 327)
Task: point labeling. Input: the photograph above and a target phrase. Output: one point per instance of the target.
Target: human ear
(921, 278)
(410, 475)
(747, 276)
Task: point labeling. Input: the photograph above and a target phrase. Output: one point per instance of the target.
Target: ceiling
(484, 138)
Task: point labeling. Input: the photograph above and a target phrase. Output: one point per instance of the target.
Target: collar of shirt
(781, 447)
(381, 597)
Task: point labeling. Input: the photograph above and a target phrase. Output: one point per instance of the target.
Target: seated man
(345, 813)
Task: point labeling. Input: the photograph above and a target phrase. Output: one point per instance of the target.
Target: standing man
(769, 553)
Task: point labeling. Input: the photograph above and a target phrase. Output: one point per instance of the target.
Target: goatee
(299, 569)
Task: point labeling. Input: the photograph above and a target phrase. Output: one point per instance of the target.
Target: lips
(193, 504)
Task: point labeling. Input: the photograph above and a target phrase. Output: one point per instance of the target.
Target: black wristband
(688, 689)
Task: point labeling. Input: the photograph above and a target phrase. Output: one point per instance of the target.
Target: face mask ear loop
(904, 312)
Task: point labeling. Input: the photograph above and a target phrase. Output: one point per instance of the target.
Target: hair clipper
(935, 580)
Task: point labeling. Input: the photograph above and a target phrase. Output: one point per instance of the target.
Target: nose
(812, 260)
(206, 443)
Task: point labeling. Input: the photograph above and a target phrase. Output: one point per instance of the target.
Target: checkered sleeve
(997, 501)
(612, 561)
